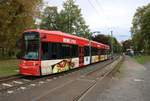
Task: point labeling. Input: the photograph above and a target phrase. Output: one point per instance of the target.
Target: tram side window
(55, 50)
(50, 50)
(74, 51)
(65, 51)
(103, 52)
(45, 51)
(99, 52)
(94, 51)
(58, 51)
(86, 51)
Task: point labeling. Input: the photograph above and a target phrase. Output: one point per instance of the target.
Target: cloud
(106, 15)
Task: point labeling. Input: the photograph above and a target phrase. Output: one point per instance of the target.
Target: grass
(142, 59)
(8, 67)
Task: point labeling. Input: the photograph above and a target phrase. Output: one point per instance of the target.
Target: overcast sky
(106, 15)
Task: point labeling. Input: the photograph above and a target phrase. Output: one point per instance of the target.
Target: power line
(107, 21)
(100, 7)
(97, 12)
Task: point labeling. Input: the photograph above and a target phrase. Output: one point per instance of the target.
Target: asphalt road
(63, 88)
(131, 83)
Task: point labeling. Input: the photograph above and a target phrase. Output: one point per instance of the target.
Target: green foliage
(68, 20)
(117, 48)
(142, 59)
(106, 39)
(127, 45)
(49, 18)
(16, 16)
(72, 20)
(140, 29)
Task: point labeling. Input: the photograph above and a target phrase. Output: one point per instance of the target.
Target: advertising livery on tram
(47, 52)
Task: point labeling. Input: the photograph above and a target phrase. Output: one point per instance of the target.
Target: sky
(107, 15)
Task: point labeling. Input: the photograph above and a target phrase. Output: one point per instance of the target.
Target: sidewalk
(131, 84)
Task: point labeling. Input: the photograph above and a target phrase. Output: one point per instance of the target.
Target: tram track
(21, 81)
(9, 78)
(102, 77)
(79, 77)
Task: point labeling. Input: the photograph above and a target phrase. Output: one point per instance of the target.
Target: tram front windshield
(30, 46)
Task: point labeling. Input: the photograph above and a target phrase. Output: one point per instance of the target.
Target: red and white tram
(46, 52)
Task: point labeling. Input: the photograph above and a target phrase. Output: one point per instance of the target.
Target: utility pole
(112, 52)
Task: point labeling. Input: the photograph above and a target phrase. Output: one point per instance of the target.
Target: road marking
(41, 82)
(18, 82)
(23, 88)
(32, 85)
(48, 79)
(26, 80)
(8, 85)
(138, 80)
(10, 92)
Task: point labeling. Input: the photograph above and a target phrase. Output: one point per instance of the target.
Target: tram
(47, 52)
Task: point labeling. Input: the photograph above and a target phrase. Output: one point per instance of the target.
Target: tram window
(74, 51)
(45, 51)
(86, 51)
(65, 51)
(99, 52)
(103, 52)
(94, 51)
(55, 50)
(58, 51)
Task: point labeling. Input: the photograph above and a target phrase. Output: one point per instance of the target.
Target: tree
(127, 45)
(68, 20)
(140, 29)
(49, 19)
(71, 20)
(106, 39)
(16, 16)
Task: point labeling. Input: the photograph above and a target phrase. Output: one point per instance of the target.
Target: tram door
(81, 56)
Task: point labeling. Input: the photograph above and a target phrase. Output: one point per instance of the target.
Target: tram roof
(41, 31)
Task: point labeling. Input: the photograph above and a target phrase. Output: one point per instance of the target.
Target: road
(67, 87)
(131, 83)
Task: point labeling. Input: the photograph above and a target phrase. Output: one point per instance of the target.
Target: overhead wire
(99, 7)
(97, 12)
